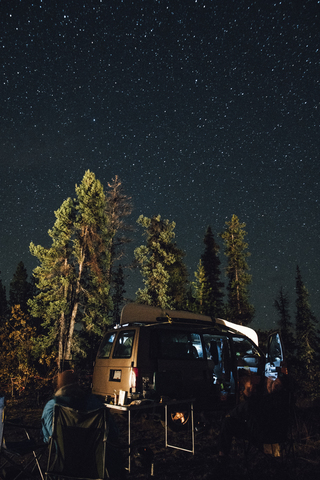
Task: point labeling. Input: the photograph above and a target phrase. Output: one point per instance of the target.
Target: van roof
(138, 313)
(247, 331)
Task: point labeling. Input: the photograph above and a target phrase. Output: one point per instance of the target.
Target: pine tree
(3, 301)
(238, 309)
(281, 304)
(118, 293)
(20, 289)
(73, 272)
(178, 280)
(119, 207)
(55, 277)
(307, 341)
(158, 260)
(201, 292)
(211, 265)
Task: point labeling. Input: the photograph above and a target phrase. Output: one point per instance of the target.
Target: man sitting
(70, 394)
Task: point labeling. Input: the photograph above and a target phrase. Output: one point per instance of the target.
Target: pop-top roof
(136, 313)
(247, 331)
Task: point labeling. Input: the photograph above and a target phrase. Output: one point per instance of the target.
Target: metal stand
(154, 405)
(192, 428)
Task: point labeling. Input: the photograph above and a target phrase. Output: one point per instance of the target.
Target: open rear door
(275, 358)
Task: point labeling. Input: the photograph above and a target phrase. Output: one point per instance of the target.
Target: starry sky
(204, 109)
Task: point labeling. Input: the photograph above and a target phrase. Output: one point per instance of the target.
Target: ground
(148, 438)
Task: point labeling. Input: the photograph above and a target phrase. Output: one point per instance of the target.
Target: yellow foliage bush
(16, 360)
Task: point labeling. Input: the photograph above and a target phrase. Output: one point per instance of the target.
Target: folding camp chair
(77, 448)
(21, 456)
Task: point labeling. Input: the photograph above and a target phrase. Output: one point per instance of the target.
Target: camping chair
(20, 456)
(77, 447)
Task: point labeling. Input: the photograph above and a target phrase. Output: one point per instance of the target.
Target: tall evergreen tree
(211, 264)
(238, 310)
(158, 260)
(178, 280)
(118, 293)
(20, 289)
(119, 207)
(281, 305)
(307, 341)
(201, 292)
(3, 301)
(73, 272)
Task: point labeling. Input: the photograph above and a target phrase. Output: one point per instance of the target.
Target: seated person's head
(68, 377)
(247, 386)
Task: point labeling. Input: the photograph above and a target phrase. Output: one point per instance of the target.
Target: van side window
(247, 355)
(123, 347)
(180, 345)
(218, 351)
(106, 346)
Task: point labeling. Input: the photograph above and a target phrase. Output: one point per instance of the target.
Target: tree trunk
(71, 331)
(74, 311)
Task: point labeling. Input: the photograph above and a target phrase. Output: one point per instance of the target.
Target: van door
(182, 367)
(249, 361)
(113, 367)
(275, 357)
(102, 366)
(219, 361)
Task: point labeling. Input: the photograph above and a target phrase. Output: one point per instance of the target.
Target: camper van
(156, 354)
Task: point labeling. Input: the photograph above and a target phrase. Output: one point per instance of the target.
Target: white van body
(157, 353)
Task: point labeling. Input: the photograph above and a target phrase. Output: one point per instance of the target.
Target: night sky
(204, 109)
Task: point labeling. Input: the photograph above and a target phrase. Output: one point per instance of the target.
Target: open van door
(275, 358)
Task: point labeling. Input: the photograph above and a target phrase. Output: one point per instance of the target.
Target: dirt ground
(150, 458)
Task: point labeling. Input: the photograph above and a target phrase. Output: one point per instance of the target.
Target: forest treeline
(60, 313)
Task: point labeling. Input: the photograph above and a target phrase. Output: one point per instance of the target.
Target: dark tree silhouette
(211, 264)
(238, 309)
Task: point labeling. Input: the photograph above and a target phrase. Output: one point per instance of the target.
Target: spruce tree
(238, 309)
(157, 261)
(211, 264)
(281, 305)
(307, 341)
(119, 207)
(3, 301)
(201, 292)
(178, 280)
(55, 277)
(20, 289)
(73, 272)
(118, 293)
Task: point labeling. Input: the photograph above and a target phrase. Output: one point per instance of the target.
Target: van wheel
(178, 417)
